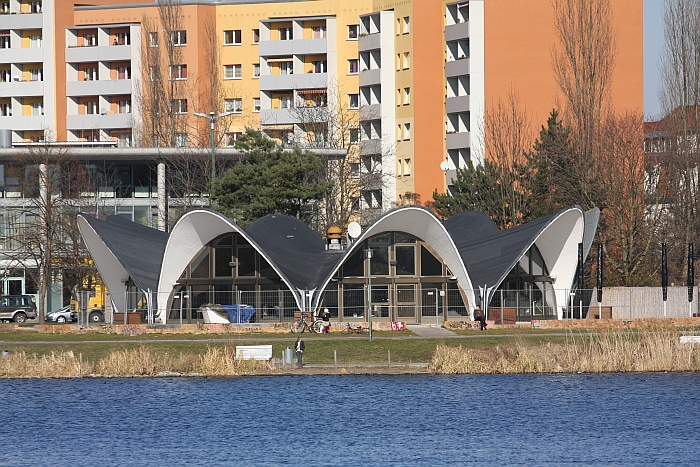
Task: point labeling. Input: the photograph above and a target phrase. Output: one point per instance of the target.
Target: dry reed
(137, 362)
(598, 353)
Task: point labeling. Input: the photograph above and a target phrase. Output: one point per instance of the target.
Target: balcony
(457, 140)
(369, 42)
(22, 21)
(371, 112)
(457, 68)
(300, 81)
(22, 88)
(99, 87)
(293, 47)
(457, 104)
(95, 121)
(22, 55)
(98, 54)
(278, 116)
(370, 77)
(22, 122)
(371, 146)
(457, 31)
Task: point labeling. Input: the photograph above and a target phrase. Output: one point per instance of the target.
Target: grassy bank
(609, 351)
(595, 353)
(140, 361)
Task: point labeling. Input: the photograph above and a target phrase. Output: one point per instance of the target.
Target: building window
(5, 110)
(35, 7)
(4, 8)
(285, 102)
(286, 34)
(179, 106)
(124, 106)
(286, 68)
(256, 104)
(318, 32)
(37, 74)
(256, 70)
(181, 140)
(232, 37)
(90, 107)
(320, 66)
(178, 72)
(233, 105)
(5, 39)
(124, 72)
(256, 36)
(178, 38)
(407, 167)
(122, 38)
(406, 25)
(406, 96)
(154, 73)
(233, 72)
(372, 199)
(353, 30)
(398, 62)
(37, 108)
(406, 60)
(153, 39)
(35, 41)
(354, 136)
(353, 66)
(90, 40)
(407, 131)
(231, 137)
(398, 98)
(353, 101)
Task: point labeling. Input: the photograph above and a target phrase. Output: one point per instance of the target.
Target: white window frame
(178, 38)
(182, 140)
(36, 74)
(286, 34)
(176, 72)
(233, 71)
(256, 36)
(177, 106)
(232, 37)
(91, 108)
(153, 39)
(406, 25)
(406, 96)
(124, 106)
(35, 41)
(356, 61)
(235, 105)
(356, 99)
(256, 104)
(353, 36)
(37, 108)
(256, 70)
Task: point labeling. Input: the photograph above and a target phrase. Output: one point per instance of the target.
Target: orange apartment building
(419, 74)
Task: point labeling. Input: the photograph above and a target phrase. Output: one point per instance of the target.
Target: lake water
(542, 420)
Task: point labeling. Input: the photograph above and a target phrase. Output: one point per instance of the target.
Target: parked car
(62, 315)
(17, 308)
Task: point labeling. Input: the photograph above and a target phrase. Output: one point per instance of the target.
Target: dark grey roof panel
(488, 253)
(139, 248)
(299, 252)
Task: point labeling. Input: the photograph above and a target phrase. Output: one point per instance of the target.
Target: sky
(653, 44)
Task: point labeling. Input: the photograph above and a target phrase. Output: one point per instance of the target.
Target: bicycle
(354, 330)
(302, 325)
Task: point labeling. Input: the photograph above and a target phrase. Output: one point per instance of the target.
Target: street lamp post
(212, 121)
(368, 253)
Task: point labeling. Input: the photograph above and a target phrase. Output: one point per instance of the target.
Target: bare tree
(325, 120)
(42, 235)
(630, 217)
(583, 63)
(680, 97)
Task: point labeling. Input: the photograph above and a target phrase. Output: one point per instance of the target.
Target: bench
(254, 352)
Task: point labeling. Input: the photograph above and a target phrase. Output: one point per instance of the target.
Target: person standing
(479, 316)
(299, 346)
(326, 321)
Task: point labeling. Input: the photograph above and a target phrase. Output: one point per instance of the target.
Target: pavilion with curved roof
(420, 268)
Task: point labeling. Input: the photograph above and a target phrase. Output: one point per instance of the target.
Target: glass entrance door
(13, 286)
(405, 303)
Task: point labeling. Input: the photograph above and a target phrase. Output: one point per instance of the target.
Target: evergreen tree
(269, 180)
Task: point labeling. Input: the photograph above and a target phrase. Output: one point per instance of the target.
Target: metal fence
(412, 304)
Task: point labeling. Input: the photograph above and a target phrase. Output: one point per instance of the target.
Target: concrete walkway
(430, 331)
